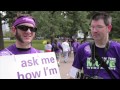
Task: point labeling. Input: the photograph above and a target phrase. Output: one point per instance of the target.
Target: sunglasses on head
(25, 28)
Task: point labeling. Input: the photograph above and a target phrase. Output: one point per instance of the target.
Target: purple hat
(25, 19)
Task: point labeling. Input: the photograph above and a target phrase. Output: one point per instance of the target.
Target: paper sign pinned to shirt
(29, 66)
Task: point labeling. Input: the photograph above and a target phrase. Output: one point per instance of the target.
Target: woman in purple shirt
(24, 29)
(57, 48)
(75, 46)
(101, 25)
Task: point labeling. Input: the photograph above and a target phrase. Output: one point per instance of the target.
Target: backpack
(56, 47)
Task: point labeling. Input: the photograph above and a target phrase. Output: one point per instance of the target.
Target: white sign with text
(29, 66)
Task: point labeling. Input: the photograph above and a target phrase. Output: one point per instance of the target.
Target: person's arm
(77, 65)
(73, 72)
(60, 46)
(52, 47)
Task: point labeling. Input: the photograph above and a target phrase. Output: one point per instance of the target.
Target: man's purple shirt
(12, 50)
(75, 46)
(112, 59)
(59, 45)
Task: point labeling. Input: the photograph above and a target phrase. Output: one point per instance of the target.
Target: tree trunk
(52, 37)
(1, 35)
(85, 37)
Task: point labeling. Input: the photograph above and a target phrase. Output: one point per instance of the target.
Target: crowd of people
(62, 48)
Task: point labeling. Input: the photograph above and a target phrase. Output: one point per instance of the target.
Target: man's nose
(28, 30)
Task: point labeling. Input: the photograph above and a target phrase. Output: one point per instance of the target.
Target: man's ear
(13, 30)
(109, 28)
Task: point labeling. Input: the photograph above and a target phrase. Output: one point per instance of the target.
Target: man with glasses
(108, 50)
(24, 29)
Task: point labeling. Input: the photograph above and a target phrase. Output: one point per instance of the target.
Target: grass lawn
(38, 44)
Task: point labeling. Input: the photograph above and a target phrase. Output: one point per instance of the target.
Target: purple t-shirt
(75, 46)
(12, 50)
(112, 59)
(59, 45)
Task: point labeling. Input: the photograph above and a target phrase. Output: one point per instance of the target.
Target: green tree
(80, 22)
(115, 25)
(1, 34)
(48, 23)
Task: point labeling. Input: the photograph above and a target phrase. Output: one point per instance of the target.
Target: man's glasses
(96, 27)
(25, 28)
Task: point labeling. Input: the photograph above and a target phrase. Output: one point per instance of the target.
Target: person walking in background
(57, 48)
(24, 29)
(99, 59)
(66, 49)
(75, 46)
(71, 49)
(48, 47)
